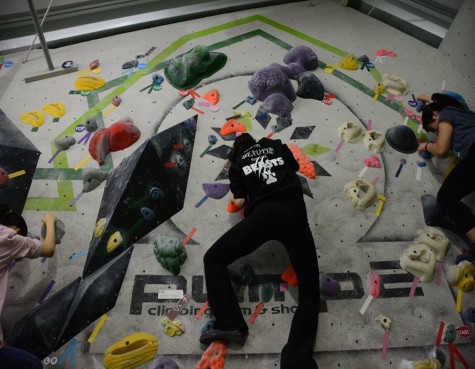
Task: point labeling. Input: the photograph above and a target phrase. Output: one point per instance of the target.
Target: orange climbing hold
(213, 357)
(232, 126)
(232, 208)
(306, 166)
(289, 276)
(212, 96)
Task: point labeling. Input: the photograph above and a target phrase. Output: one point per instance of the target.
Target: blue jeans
(13, 358)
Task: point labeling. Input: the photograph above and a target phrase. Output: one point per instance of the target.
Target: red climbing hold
(4, 179)
(232, 208)
(118, 136)
(289, 276)
(213, 357)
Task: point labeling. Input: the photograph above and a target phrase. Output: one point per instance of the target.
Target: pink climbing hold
(118, 136)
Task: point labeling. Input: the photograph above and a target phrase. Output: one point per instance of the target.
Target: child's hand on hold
(49, 219)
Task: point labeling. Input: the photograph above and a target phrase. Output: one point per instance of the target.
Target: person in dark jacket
(264, 180)
(454, 125)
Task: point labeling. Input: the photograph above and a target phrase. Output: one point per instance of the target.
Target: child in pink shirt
(15, 245)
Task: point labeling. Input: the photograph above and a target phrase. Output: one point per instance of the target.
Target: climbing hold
(328, 286)
(267, 292)
(147, 214)
(207, 326)
(450, 333)
(172, 328)
(131, 351)
(187, 70)
(118, 136)
(271, 80)
(33, 118)
(435, 239)
(115, 241)
(402, 138)
(94, 64)
(92, 178)
(89, 83)
(247, 273)
(164, 362)
(469, 314)
(65, 142)
(302, 55)
(212, 96)
(157, 79)
(212, 139)
(374, 141)
(59, 231)
(289, 276)
(372, 162)
(188, 104)
(4, 179)
(310, 87)
(232, 208)
(56, 109)
(116, 100)
(213, 357)
(349, 62)
(419, 260)
(99, 227)
(155, 193)
(350, 131)
(278, 104)
(394, 85)
(216, 190)
(232, 126)
(461, 275)
(130, 64)
(170, 253)
(91, 125)
(361, 193)
(306, 167)
(385, 322)
(427, 363)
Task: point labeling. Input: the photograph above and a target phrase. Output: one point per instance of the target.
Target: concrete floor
(350, 243)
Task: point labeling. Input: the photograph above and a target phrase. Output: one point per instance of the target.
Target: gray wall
(458, 45)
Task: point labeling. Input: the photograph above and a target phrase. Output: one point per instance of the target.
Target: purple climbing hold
(278, 104)
(164, 362)
(271, 80)
(328, 286)
(216, 190)
(302, 55)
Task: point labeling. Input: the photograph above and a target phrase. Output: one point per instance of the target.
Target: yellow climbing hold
(115, 240)
(99, 228)
(56, 109)
(131, 351)
(89, 83)
(33, 118)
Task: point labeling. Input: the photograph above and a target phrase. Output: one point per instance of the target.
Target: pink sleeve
(25, 247)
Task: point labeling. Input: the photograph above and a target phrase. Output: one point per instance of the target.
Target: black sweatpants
(459, 183)
(283, 219)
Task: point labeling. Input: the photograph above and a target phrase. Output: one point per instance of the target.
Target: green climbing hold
(188, 104)
(314, 149)
(187, 70)
(170, 253)
(267, 291)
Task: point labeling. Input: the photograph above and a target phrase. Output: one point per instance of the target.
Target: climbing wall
(351, 243)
